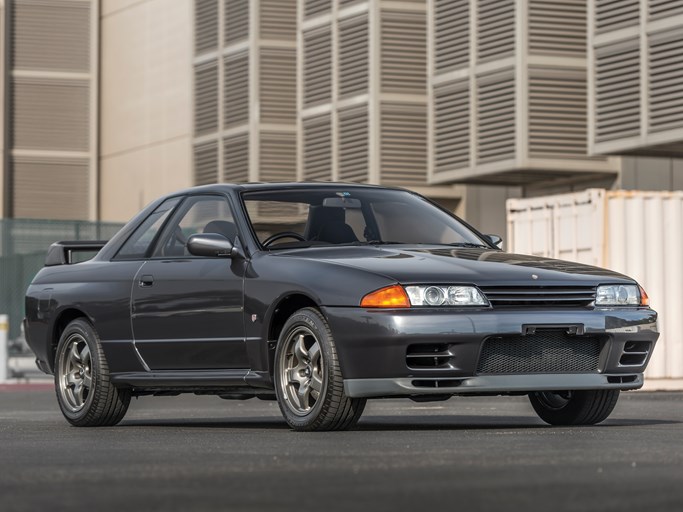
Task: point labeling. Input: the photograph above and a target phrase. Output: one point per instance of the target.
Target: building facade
(111, 103)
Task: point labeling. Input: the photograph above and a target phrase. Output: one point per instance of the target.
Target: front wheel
(308, 379)
(574, 407)
(85, 393)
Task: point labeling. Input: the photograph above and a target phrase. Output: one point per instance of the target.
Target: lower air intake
(543, 352)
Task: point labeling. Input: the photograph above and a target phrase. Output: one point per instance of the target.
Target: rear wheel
(586, 407)
(85, 394)
(308, 379)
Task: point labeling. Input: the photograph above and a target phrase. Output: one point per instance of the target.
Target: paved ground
(202, 453)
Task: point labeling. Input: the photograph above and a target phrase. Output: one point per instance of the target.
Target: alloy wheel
(302, 370)
(75, 373)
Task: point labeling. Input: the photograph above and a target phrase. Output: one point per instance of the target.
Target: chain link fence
(23, 246)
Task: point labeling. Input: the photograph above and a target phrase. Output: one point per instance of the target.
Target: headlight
(618, 295)
(445, 296)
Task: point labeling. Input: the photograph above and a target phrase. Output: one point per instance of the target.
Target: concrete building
(110, 103)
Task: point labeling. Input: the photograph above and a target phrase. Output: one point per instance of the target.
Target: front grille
(539, 296)
(543, 352)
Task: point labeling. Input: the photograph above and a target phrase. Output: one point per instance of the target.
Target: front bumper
(372, 347)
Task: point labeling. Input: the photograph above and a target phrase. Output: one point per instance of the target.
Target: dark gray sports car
(321, 296)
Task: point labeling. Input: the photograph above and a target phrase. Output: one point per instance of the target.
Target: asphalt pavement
(203, 453)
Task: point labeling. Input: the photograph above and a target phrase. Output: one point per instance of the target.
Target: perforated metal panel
(544, 352)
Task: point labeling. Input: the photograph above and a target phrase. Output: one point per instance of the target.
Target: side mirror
(495, 240)
(210, 244)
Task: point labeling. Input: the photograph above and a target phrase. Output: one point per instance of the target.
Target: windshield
(318, 217)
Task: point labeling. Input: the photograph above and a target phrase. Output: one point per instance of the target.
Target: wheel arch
(64, 318)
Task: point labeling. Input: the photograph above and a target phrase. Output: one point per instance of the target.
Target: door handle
(146, 280)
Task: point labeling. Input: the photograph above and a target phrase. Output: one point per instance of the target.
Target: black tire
(326, 408)
(85, 393)
(587, 407)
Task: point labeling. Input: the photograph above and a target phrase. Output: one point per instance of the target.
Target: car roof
(255, 186)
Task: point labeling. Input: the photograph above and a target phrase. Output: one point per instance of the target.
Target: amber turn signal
(390, 297)
(644, 299)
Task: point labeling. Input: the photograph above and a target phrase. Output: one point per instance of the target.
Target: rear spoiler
(61, 253)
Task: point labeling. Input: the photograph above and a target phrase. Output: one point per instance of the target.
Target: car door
(187, 311)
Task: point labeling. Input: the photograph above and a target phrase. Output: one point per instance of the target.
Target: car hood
(422, 264)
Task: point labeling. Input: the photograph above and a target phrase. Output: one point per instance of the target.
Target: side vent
(666, 80)
(353, 144)
(403, 52)
(452, 126)
(206, 163)
(317, 66)
(611, 15)
(557, 113)
(317, 153)
(353, 56)
(278, 85)
(557, 28)
(206, 98)
(617, 96)
(277, 156)
(404, 143)
(236, 159)
(236, 84)
(496, 29)
(452, 34)
(495, 117)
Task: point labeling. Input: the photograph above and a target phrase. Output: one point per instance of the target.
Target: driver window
(202, 214)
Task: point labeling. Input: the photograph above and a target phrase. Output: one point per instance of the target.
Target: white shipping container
(637, 233)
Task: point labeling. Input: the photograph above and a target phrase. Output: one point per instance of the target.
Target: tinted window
(139, 242)
(202, 214)
(352, 216)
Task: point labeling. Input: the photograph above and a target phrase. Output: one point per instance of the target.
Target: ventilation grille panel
(452, 126)
(278, 19)
(353, 144)
(666, 80)
(616, 14)
(403, 143)
(543, 352)
(496, 29)
(206, 26)
(236, 83)
(52, 36)
(557, 28)
(664, 8)
(50, 114)
(278, 157)
(278, 85)
(617, 97)
(236, 159)
(452, 34)
(495, 117)
(316, 7)
(353, 56)
(557, 114)
(206, 98)
(51, 188)
(236, 20)
(317, 66)
(404, 52)
(317, 156)
(206, 163)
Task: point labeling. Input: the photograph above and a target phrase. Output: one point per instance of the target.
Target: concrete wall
(146, 103)
(651, 173)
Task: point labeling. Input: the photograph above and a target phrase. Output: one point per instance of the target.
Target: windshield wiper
(468, 244)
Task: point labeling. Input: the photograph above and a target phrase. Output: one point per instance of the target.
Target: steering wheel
(284, 234)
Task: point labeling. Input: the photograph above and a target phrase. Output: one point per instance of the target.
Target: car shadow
(390, 423)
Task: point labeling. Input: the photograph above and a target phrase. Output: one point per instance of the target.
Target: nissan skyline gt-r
(322, 295)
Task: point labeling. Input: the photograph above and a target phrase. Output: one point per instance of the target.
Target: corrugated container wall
(636, 233)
